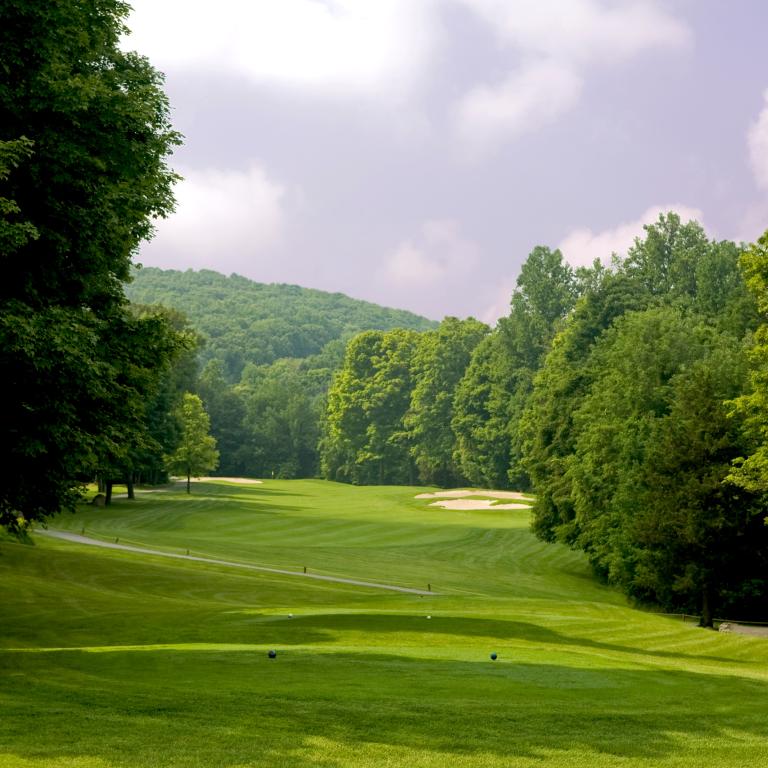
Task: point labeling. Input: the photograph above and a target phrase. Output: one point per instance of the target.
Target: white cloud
(757, 141)
(347, 45)
(223, 219)
(384, 49)
(582, 246)
(533, 96)
(440, 253)
(582, 31)
(558, 40)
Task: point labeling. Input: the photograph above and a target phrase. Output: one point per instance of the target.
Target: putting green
(117, 659)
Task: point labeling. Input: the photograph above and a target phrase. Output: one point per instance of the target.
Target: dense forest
(629, 398)
(243, 322)
(267, 354)
(632, 399)
(85, 135)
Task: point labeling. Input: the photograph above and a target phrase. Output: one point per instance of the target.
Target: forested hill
(244, 321)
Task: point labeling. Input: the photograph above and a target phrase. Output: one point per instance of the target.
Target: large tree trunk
(129, 484)
(107, 492)
(706, 607)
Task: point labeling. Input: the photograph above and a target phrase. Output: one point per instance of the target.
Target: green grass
(112, 659)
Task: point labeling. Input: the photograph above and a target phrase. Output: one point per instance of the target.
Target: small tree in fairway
(197, 452)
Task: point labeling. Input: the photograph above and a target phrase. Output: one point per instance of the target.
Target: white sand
(242, 480)
(475, 504)
(459, 494)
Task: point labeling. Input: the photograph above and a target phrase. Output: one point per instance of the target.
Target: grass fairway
(115, 659)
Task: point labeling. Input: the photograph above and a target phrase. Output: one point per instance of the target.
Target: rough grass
(110, 659)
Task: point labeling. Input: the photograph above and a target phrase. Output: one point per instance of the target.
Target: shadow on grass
(492, 629)
(222, 489)
(239, 708)
(235, 503)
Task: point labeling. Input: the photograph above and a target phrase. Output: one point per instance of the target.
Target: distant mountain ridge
(248, 322)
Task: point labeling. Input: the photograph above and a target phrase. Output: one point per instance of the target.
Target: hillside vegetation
(112, 659)
(243, 321)
(267, 357)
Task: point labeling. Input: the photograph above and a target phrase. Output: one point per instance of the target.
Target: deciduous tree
(196, 453)
(440, 362)
(84, 139)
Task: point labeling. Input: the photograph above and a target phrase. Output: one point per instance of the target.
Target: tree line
(267, 355)
(93, 384)
(243, 322)
(630, 398)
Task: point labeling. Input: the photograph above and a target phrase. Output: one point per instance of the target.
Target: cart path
(78, 539)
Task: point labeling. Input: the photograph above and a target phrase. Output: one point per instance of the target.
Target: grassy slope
(114, 659)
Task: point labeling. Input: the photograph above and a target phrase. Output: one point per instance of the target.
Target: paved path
(78, 539)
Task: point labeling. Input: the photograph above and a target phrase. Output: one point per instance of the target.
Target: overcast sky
(413, 152)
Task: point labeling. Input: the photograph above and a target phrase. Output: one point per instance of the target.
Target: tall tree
(480, 419)
(196, 453)
(225, 405)
(439, 364)
(547, 429)
(654, 447)
(751, 470)
(365, 440)
(142, 349)
(14, 232)
(87, 128)
(674, 264)
(175, 374)
(281, 419)
(491, 399)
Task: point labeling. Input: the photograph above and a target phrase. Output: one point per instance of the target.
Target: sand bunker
(242, 480)
(466, 499)
(460, 494)
(475, 504)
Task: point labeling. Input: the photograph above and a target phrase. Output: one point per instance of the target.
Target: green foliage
(14, 233)
(491, 398)
(142, 347)
(246, 322)
(84, 137)
(196, 453)
(480, 418)
(282, 420)
(547, 430)
(225, 405)
(627, 437)
(440, 362)
(98, 122)
(172, 355)
(270, 353)
(365, 439)
(654, 446)
(751, 471)
(56, 380)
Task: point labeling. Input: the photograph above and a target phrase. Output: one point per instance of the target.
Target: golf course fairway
(112, 658)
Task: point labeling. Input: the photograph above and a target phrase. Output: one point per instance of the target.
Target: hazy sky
(413, 152)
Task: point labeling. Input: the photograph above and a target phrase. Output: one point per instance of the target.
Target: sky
(413, 152)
